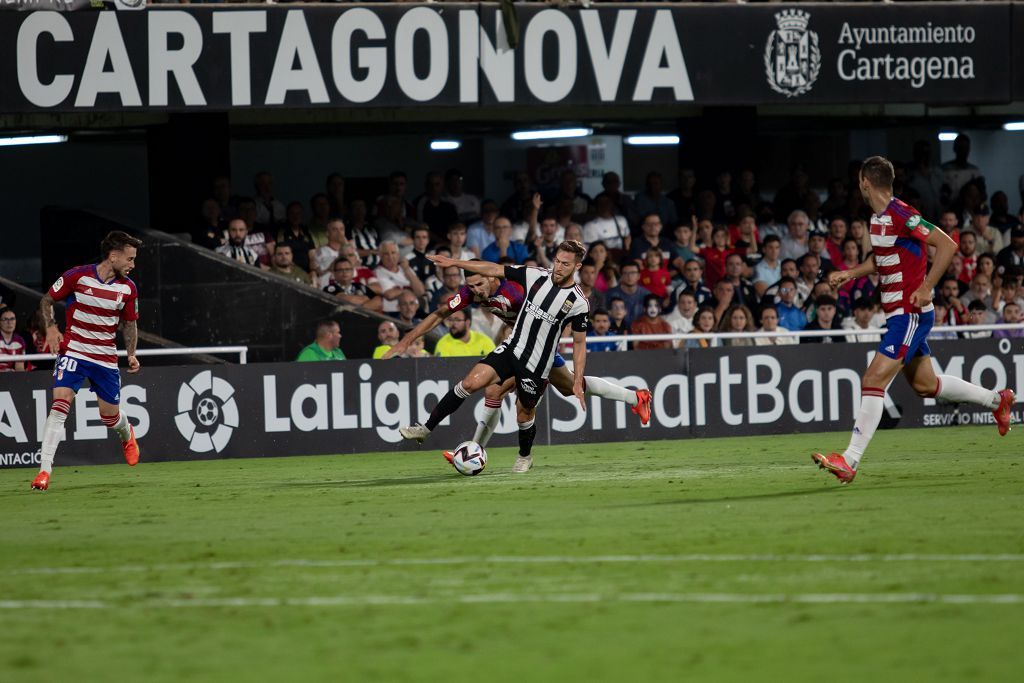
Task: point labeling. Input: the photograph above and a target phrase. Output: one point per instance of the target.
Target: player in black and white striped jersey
(553, 300)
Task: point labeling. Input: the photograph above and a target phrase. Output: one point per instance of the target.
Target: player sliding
(99, 297)
(552, 301)
(899, 239)
(504, 299)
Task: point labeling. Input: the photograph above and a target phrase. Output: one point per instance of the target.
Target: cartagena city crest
(792, 59)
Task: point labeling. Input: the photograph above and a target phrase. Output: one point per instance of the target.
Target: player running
(99, 297)
(552, 301)
(900, 238)
(504, 299)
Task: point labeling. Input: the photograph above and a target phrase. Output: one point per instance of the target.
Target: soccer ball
(469, 458)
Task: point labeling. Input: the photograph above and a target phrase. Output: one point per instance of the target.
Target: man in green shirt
(284, 265)
(326, 346)
(461, 340)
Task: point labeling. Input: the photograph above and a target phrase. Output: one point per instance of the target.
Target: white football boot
(522, 464)
(416, 432)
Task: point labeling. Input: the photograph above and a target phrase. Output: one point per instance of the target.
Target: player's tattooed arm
(131, 341)
(53, 335)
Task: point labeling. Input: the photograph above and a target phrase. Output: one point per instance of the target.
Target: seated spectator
(1001, 218)
(837, 236)
(859, 231)
(601, 326)
(861, 319)
(703, 322)
(408, 308)
(622, 202)
(343, 286)
(737, 318)
(209, 232)
(503, 245)
(824, 319)
(791, 316)
(651, 322)
(968, 252)
(630, 291)
(388, 336)
(481, 233)
(363, 234)
(364, 275)
(394, 225)
(724, 297)
(433, 211)
(283, 265)
(259, 236)
(942, 319)
(1010, 292)
(1012, 256)
(587, 278)
(11, 343)
(1011, 316)
(451, 282)
(418, 261)
(575, 232)
(681, 317)
(618, 315)
(743, 289)
(795, 241)
(650, 238)
(654, 277)
(457, 243)
(322, 259)
(693, 282)
(715, 254)
(320, 216)
(269, 211)
(461, 339)
(398, 187)
(744, 237)
(816, 244)
(607, 226)
(327, 344)
(683, 247)
(652, 200)
(577, 203)
(546, 243)
(417, 349)
(466, 205)
(769, 269)
(978, 314)
(770, 323)
(809, 267)
(236, 248)
(297, 236)
(989, 240)
(395, 276)
(980, 290)
(607, 270)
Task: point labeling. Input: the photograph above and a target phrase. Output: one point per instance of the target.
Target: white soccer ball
(469, 458)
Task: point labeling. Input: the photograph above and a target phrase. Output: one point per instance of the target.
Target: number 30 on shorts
(65, 364)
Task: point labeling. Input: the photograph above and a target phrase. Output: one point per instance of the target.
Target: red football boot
(450, 457)
(836, 464)
(42, 481)
(1002, 413)
(643, 405)
(131, 448)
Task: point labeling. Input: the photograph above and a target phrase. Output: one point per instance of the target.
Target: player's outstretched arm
(53, 335)
(485, 268)
(131, 341)
(424, 326)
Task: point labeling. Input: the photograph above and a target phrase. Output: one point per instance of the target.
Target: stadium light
(444, 145)
(1014, 126)
(552, 134)
(947, 136)
(652, 140)
(32, 140)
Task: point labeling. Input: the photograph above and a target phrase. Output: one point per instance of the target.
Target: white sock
(872, 402)
(120, 425)
(605, 389)
(53, 431)
(486, 426)
(957, 390)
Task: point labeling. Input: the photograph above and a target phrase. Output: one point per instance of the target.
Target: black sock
(526, 437)
(448, 404)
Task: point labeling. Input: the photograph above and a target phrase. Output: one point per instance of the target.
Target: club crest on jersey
(792, 59)
(58, 284)
(454, 302)
(567, 306)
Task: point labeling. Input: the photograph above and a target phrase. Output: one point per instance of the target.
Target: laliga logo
(207, 414)
(791, 56)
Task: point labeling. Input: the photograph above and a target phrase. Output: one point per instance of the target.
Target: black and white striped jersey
(547, 309)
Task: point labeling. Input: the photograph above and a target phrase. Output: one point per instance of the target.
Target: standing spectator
(451, 283)
(835, 203)
(296, 236)
(225, 198)
(461, 339)
(398, 186)
(607, 226)
(418, 261)
(926, 179)
(737, 318)
(791, 316)
(516, 207)
(481, 233)
(466, 205)
(364, 235)
(683, 196)
(770, 323)
(1012, 256)
(744, 237)
(743, 289)
(587, 277)
(334, 187)
(388, 336)
(11, 343)
(408, 308)
(319, 218)
(949, 221)
(503, 244)
(794, 242)
(824, 319)
(622, 204)
(651, 200)
(650, 238)
(1001, 218)
(715, 254)
(347, 290)
(654, 277)
(683, 247)
(209, 233)
(395, 275)
(457, 243)
(327, 345)
(651, 322)
(630, 291)
(433, 209)
(704, 322)
(284, 265)
(989, 240)
(600, 326)
(863, 312)
(725, 208)
(577, 201)
(393, 226)
(236, 248)
(269, 211)
(321, 260)
(958, 171)
(793, 195)
(546, 243)
(769, 268)
(1011, 316)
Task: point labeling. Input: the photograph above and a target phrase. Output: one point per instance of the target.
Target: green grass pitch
(722, 560)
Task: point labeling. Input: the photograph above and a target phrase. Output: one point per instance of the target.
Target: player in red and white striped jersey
(900, 238)
(99, 298)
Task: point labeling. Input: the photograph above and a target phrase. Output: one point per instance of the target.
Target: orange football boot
(42, 481)
(836, 464)
(643, 405)
(131, 448)
(1002, 413)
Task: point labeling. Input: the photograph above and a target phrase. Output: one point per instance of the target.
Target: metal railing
(242, 351)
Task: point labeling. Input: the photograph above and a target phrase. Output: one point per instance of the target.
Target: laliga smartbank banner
(195, 58)
(197, 412)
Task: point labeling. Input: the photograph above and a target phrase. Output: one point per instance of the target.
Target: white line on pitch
(514, 598)
(524, 559)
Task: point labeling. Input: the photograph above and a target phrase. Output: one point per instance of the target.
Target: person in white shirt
(681, 317)
(770, 323)
(457, 243)
(863, 311)
(769, 269)
(321, 260)
(607, 226)
(395, 276)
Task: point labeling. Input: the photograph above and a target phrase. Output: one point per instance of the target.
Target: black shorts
(530, 386)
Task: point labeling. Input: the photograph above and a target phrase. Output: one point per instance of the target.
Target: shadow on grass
(369, 483)
(732, 499)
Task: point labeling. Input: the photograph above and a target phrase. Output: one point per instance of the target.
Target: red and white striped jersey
(15, 346)
(94, 311)
(898, 237)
